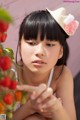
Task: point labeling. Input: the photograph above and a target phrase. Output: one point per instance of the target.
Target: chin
(35, 70)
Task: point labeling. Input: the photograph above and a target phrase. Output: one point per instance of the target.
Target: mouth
(38, 63)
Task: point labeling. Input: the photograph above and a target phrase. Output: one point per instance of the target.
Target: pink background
(19, 8)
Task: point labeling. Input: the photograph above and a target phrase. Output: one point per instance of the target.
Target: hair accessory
(66, 22)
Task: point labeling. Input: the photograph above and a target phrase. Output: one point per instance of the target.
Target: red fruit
(13, 84)
(0, 36)
(3, 37)
(8, 99)
(6, 81)
(4, 26)
(5, 63)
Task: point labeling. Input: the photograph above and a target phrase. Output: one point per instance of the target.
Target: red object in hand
(13, 84)
(4, 26)
(6, 81)
(8, 99)
(5, 63)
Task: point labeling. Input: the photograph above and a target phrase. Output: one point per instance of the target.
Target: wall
(19, 8)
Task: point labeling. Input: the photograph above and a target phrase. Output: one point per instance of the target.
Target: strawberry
(13, 84)
(8, 99)
(0, 36)
(6, 81)
(5, 63)
(4, 26)
(3, 37)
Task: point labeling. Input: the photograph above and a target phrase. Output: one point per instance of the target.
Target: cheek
(25, 50)
(54, 56)
(25, 53)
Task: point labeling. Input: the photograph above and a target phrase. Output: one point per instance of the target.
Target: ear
(61, 53)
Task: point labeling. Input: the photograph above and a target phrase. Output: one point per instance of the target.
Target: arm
(23, 112)
(35, 117)
(65, 92)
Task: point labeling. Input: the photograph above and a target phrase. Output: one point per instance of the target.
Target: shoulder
(62, 75)
(66, 73)
(62, 79)
(64, 86)
(65, 77)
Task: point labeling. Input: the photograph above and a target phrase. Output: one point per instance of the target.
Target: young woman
(44, 51)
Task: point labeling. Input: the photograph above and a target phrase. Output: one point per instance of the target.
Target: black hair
(42, 22)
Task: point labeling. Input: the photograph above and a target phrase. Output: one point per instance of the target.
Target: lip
(38, 62)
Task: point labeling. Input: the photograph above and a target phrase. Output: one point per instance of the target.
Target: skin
(40, 51)
(42, 56)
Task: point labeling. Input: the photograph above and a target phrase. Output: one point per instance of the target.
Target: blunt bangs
(41, 23)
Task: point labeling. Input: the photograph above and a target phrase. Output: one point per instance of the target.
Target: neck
(34, 78)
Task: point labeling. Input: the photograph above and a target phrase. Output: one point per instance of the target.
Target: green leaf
(1, 46)
(4, 15)
(9, 52)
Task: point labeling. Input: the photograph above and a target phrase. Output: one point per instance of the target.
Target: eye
(32, 43)
(50, 44)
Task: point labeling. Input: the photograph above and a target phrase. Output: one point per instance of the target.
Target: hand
(49, 107)
(42, 99)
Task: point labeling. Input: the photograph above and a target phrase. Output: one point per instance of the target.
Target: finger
(53, 104)
(38, 91)
(48, 92)
(46, 113)
(27, 88)
(50, 103)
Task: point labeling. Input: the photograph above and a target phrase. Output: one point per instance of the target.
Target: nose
(40, 50)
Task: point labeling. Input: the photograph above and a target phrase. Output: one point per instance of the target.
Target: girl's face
(40, 56)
